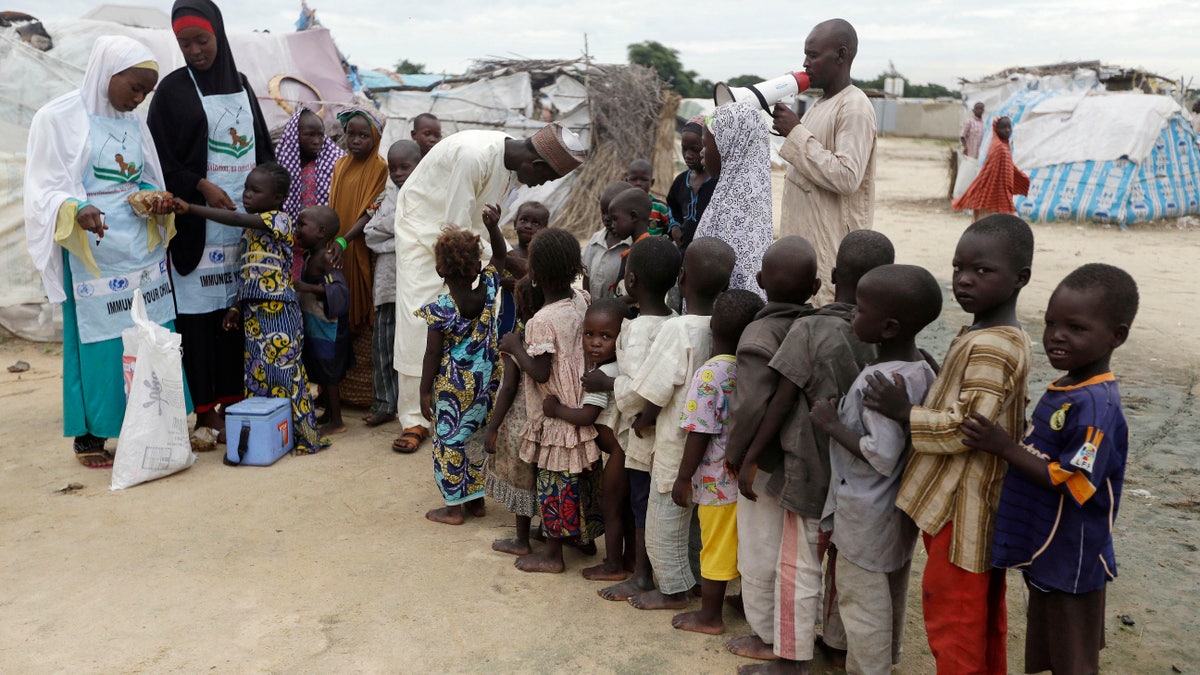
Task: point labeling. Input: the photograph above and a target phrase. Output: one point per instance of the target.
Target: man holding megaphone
(830, 188)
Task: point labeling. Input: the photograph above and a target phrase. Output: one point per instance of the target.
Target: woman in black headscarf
(210, 134)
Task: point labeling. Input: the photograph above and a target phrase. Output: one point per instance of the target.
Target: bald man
(830, 188)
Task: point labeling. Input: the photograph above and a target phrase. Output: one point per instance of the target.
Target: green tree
(665, 62)
(744, 80)
(406, 67)
(910, 90)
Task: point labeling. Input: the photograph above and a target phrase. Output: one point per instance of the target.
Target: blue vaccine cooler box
(259, 431)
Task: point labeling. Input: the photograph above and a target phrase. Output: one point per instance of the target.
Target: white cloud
(934, 40)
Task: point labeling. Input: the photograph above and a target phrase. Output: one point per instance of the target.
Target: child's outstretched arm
(538, 367)
(505, 397)
(429, 368)
(491, 219)
(581, 417)
(252, 221)
(693, 453)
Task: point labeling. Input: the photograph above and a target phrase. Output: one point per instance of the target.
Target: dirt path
(325, 563)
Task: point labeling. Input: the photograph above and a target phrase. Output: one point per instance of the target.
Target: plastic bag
(154, 436)
(968, 169)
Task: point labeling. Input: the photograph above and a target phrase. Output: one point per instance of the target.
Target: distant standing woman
(88, 153)
(999, 179)
(210, 134)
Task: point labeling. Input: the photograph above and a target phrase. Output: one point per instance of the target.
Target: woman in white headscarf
(88, 154)
(737, 151)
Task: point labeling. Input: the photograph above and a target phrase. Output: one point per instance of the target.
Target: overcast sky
(929, 41)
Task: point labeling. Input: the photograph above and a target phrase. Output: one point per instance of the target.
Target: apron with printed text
(113, 174)
(212, 285)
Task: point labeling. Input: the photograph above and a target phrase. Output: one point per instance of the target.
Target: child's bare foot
(656, 599)
(625, 590)
(779, 667)
(450, 515)
(476, 508)
(698, 622)
(540, 562)
(605, 571)
(512, 546)
(332, 429)
(751, 647)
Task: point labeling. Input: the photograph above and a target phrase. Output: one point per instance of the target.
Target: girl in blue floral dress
(461, 370)
(269, 311)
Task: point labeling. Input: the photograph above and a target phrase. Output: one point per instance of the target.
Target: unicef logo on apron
(216, 257)
(224, 138)
(117, 284)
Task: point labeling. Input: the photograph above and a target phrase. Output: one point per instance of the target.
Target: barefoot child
(867, 455)
(510, 480)
(551, 353)
(818, 359)
(682, 345)
(640, 174)
(789, 279)
(379, 236)
(325, 303)
(950, 490)
(269, 313)
(601, 330)
(460, 373)
(703, 478)
(603, 253)
(1063, 486)
(652, 268)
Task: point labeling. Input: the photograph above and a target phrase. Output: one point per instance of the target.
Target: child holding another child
(551, 353)
(460, 372)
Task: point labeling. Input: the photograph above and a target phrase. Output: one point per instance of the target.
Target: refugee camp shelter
(283, 69)
(1097, 142)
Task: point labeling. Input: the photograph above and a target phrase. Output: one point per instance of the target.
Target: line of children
(805, 410)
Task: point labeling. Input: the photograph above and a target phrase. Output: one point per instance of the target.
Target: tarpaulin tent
(1115, 157)
(283, 69)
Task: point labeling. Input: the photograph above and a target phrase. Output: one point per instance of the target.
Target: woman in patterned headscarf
(737, 151)
(358, 181)
(309, 156)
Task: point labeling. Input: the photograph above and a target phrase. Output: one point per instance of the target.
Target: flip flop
(410, 441)
(375, 419)
(101, 454)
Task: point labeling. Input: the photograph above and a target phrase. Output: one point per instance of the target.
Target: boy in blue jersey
(1063, 486)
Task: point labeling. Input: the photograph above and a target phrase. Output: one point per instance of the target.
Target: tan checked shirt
(985, 371)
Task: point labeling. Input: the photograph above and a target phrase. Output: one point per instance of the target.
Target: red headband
(192, 22)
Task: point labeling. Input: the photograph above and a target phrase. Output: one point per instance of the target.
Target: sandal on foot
(410, 441)
(90, 452)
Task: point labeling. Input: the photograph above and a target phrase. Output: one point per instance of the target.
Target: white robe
(59, 147)
(450, 186)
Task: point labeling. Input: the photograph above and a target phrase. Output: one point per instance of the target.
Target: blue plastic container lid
(258, 406)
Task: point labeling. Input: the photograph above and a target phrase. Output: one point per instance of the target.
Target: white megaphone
(766, 94)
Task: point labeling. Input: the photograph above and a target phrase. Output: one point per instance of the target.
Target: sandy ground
(326, 564)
